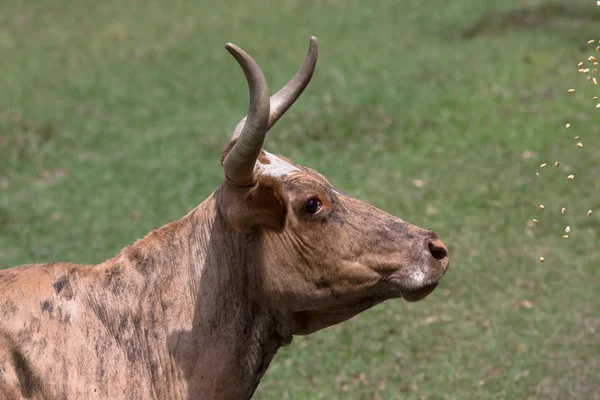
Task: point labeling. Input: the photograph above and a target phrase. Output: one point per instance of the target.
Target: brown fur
(197, 309)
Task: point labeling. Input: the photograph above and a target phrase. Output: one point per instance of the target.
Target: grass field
(113, 115)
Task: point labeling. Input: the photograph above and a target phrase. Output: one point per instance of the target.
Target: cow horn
(239, 164)
(250, 132)
(287, 95)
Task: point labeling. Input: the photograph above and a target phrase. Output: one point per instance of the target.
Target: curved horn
(250, 132)
(287, 95)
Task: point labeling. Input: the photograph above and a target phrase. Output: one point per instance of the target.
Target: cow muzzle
(419, 280)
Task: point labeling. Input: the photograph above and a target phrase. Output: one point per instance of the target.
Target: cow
(198, 308)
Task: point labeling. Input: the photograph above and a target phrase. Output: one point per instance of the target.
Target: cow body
(198, 308)
(163, 319)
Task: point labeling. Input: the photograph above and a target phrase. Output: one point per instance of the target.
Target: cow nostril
(438, 252)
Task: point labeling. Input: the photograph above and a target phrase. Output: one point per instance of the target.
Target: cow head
(325, 255)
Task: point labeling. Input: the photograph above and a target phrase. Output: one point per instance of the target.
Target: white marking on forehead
(277, 167)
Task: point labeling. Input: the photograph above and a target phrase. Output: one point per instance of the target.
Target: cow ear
(263, 206)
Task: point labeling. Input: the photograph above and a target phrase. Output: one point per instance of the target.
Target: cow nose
(438, 249)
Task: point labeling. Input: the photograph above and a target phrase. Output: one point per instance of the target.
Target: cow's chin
(413, 295)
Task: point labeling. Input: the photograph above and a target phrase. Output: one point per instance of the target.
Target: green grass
(113, 116)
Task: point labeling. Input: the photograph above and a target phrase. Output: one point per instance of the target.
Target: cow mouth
(412, 295)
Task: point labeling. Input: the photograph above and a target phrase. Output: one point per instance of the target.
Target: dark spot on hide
(101, 314)
(63, 317)
(113, 281)
(47, 306)
(60, 284)
(133, 350)
(28, 382)
(322, 283)
(9, 277)
(154, 372)
(28, 333)
(63, 285)
(395, 226)
(133, 343)
(8, 309)
(124, 322)
(142, 263)
(399, 227)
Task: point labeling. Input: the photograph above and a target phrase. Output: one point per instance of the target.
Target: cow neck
(219, 330)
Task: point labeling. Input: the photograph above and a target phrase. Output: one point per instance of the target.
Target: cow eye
(313, 206)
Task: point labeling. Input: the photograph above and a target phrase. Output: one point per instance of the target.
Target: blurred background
(113, 116)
